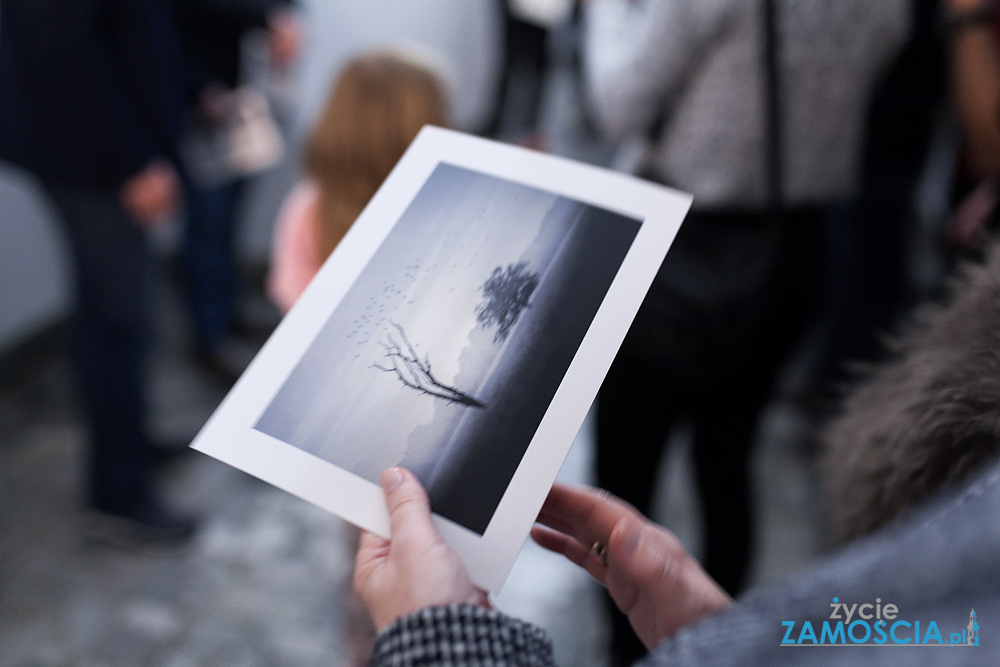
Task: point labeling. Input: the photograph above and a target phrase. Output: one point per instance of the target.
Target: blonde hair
(377, 106)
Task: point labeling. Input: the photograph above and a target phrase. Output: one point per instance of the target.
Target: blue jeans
(208, 257)
(111, 333)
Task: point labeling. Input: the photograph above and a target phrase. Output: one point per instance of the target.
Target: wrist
(405, 608)
(699, 596)
(465, 634)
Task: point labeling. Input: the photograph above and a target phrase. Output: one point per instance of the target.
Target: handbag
(709, 297)
(244, 142)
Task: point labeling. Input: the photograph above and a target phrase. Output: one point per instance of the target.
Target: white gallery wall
(34, 274)
(466, 35)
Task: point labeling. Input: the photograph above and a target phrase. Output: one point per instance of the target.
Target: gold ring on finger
(600, 550)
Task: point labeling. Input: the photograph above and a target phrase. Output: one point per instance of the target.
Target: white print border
(230, 437)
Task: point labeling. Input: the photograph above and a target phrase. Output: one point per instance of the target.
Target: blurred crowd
(804, 130)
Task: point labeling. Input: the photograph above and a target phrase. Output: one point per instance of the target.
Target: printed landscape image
(446, 351)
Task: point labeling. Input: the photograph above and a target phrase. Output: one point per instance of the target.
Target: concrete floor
(263, 581)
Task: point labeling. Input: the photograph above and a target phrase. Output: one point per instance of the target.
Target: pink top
(295, 255)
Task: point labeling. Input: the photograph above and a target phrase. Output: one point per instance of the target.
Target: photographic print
(462, 329)
(446, 351)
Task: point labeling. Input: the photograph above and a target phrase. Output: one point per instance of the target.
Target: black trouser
(525, 54)
(111, 333)
(642, 398)
(208, 254)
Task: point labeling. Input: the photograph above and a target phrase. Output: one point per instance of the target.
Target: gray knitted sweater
(699, 63)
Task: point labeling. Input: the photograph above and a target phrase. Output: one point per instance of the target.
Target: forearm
(461, 635)
(976, 79)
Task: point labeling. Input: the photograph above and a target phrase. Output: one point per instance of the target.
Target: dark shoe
(146, 521)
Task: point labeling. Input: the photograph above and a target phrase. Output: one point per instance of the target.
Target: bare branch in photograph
(417, 374)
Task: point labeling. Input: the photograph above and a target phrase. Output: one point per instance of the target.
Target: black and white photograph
(445, 352)
(461, 329)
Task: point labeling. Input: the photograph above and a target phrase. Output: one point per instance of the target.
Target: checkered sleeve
(461, 636)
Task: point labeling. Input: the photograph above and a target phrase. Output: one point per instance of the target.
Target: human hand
(644, 566)
(284, 37)
(415, 568)
(151, 195)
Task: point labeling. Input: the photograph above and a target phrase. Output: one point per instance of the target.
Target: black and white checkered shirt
(461, 636)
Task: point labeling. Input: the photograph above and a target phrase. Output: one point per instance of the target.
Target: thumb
(409, 507)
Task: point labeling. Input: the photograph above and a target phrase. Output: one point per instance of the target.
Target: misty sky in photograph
(426, 277)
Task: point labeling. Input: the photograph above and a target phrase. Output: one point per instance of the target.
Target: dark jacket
(90, 90)
(212, 31)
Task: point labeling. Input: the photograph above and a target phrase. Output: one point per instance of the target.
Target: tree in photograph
(506, 293)
(416, 373)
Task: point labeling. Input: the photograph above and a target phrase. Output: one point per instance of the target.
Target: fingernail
(391, 479)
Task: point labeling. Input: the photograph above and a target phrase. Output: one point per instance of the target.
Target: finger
(657, 583)
(371, 544)
(589, 515)
(550, 539)
(561, 543)
(372, 552)
(642, 556)
(409, 507)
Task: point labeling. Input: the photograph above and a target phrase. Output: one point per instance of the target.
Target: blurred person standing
(517, 110)
(376, 107)
(467, 33)
(869, 244)
(756, 108)
(213, 34)
(91, 104)
(973, 31)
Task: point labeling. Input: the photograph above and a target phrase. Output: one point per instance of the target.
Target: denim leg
(209, 260)
(113, 282)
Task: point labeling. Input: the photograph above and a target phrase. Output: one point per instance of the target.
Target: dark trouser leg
(727, 416)
(525, 60)
(529, 45)
(634, 414)
(866, 289)
(209, 261)
(110, 334)
(724, 429)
